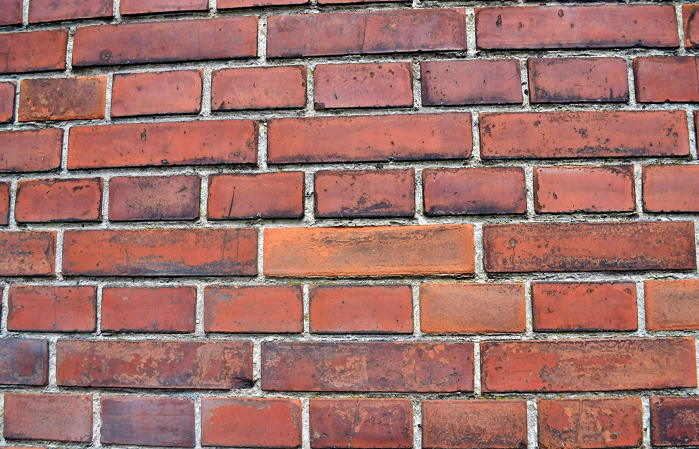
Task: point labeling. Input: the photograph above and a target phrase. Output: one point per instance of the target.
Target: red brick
(369, 251)
(24, 362)
(49, 200)
(588, 365)
(372, 85)
(671, 188)
(52, 309)
(572, 80)
(153, 364)
(57, 417)
(586, 189)
(472, 308)
(532, 135)
(465, 191)
(366, 32)
(361, 423)
(590, 422)
(365, 193)
(672, 304)
(243, 422)
(154, 198)
(521, 248)
(258, 88)
(7, 102)
(161, 252)
(370, 138)
(388, 367)
(177, 92)
(674, 421)
(474, 424)
(28, 253)
(263, 309)
(55, 10)
(4, 203)
(593, 26)
(471, 82)
(361, 309)
(163, 144)
(666, 79)
(151, 310)
(224, 4)
(72, 98)
(11, 13)
(690, 20)
(37, 51)
(128, 7)
(147, 421)
(259, 195)
(31, 150)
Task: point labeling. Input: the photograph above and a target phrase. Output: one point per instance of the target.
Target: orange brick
(691, 25)
(72, 98)
(55, 10)
(672, 304)
(57, 417)
(151, 310)
(11, 13)
(28, 253)
(258, 88)
(52, 309)
(37, 51)
(49, 200)
(31, 150)
(671, 188)
(4, 203)
(128, 7)
(666, 79)
(176, 92)
(7, 102)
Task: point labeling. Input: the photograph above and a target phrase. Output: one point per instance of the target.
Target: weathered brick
(671, 188)
(4, 203)
(690, 21)
(7, 102)
(72, 98)
(251, 195)
(154, 198)
(666, 79)
(181, 40)
(370, 138)
(152, 364)
(243, 422)
(339, 2)
(147, 421)
(369, 251)
(342, 366)
(471, 82)
(472, 308)
(258, 88)
(55, 10)
(37, 51)
(366, 32)
(161, 252)
(176, 92)
(224, 4)
(31, 150)
(28, 253)
(263, 309)
(128, 7)
(57, 417)
(674, 421)
(361, 309)
(586, 189)
(590, 422)
(588, 365)
(163, 144)
(589, 26)
(161, 309)
(572, 80)
(532, 135)
(365, 193)
(49, 200)
(452, 424)
(587, 306)
(11, 13)
(52, 309)
(24, 362)
(672, 304)
(361, 423)
(371, 85)
(465, 191)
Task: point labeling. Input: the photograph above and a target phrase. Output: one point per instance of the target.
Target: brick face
(76, 98)
(7, 102)
(31, 151)
(59, 200)
(147, 198)
(157, 93)
(52, 309)
(52, 10)
(24, 362)
(671, 79)
(669, 188)
(58, 417)
(37, 51)
(258, 88)
(164, 309)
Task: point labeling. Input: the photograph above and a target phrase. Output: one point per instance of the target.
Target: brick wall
(275, 223)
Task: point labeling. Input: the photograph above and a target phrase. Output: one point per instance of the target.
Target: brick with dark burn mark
(24, 362)
(52, 309)
(671, 188)
(7, 101)
(174, 92)
(74, 98)
(53, 200)
(672, 304)
(258, 88)
(674, 421)
(663, 79)
(27, 253)
(690, 20)
(31, 150)
(56, 10)
(56, 417)
(37, 51)
(128, 7)
(152, 310)
(4, 203)
(11, 12)
(154, 198)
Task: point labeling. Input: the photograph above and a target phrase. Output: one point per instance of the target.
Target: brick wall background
(275, 223)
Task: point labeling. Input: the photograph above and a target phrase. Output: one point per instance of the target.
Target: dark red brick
(588, 365)
(128, 7)
(31, 150)
(147, 421)
(7, 102)
(52, 309)
(4, 203)
(49, 200)
(55, 10)
(24, 362)
(28, 253)
(690, 21)
(483, 81)
(465, 191)
(258, 88)
(224, 4)
(154, 198)
(365, 193)
(176, 92)
(361, 309)
(674, 421)
(366, 32)
(57, 417)
(161, 309)
(263, 309)
(388, 367)
(666, 79)
(37, 51)
(72, 98)
(153, 364)
(370, 138)
(671, 188)
(672, 304)
(11, 13)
